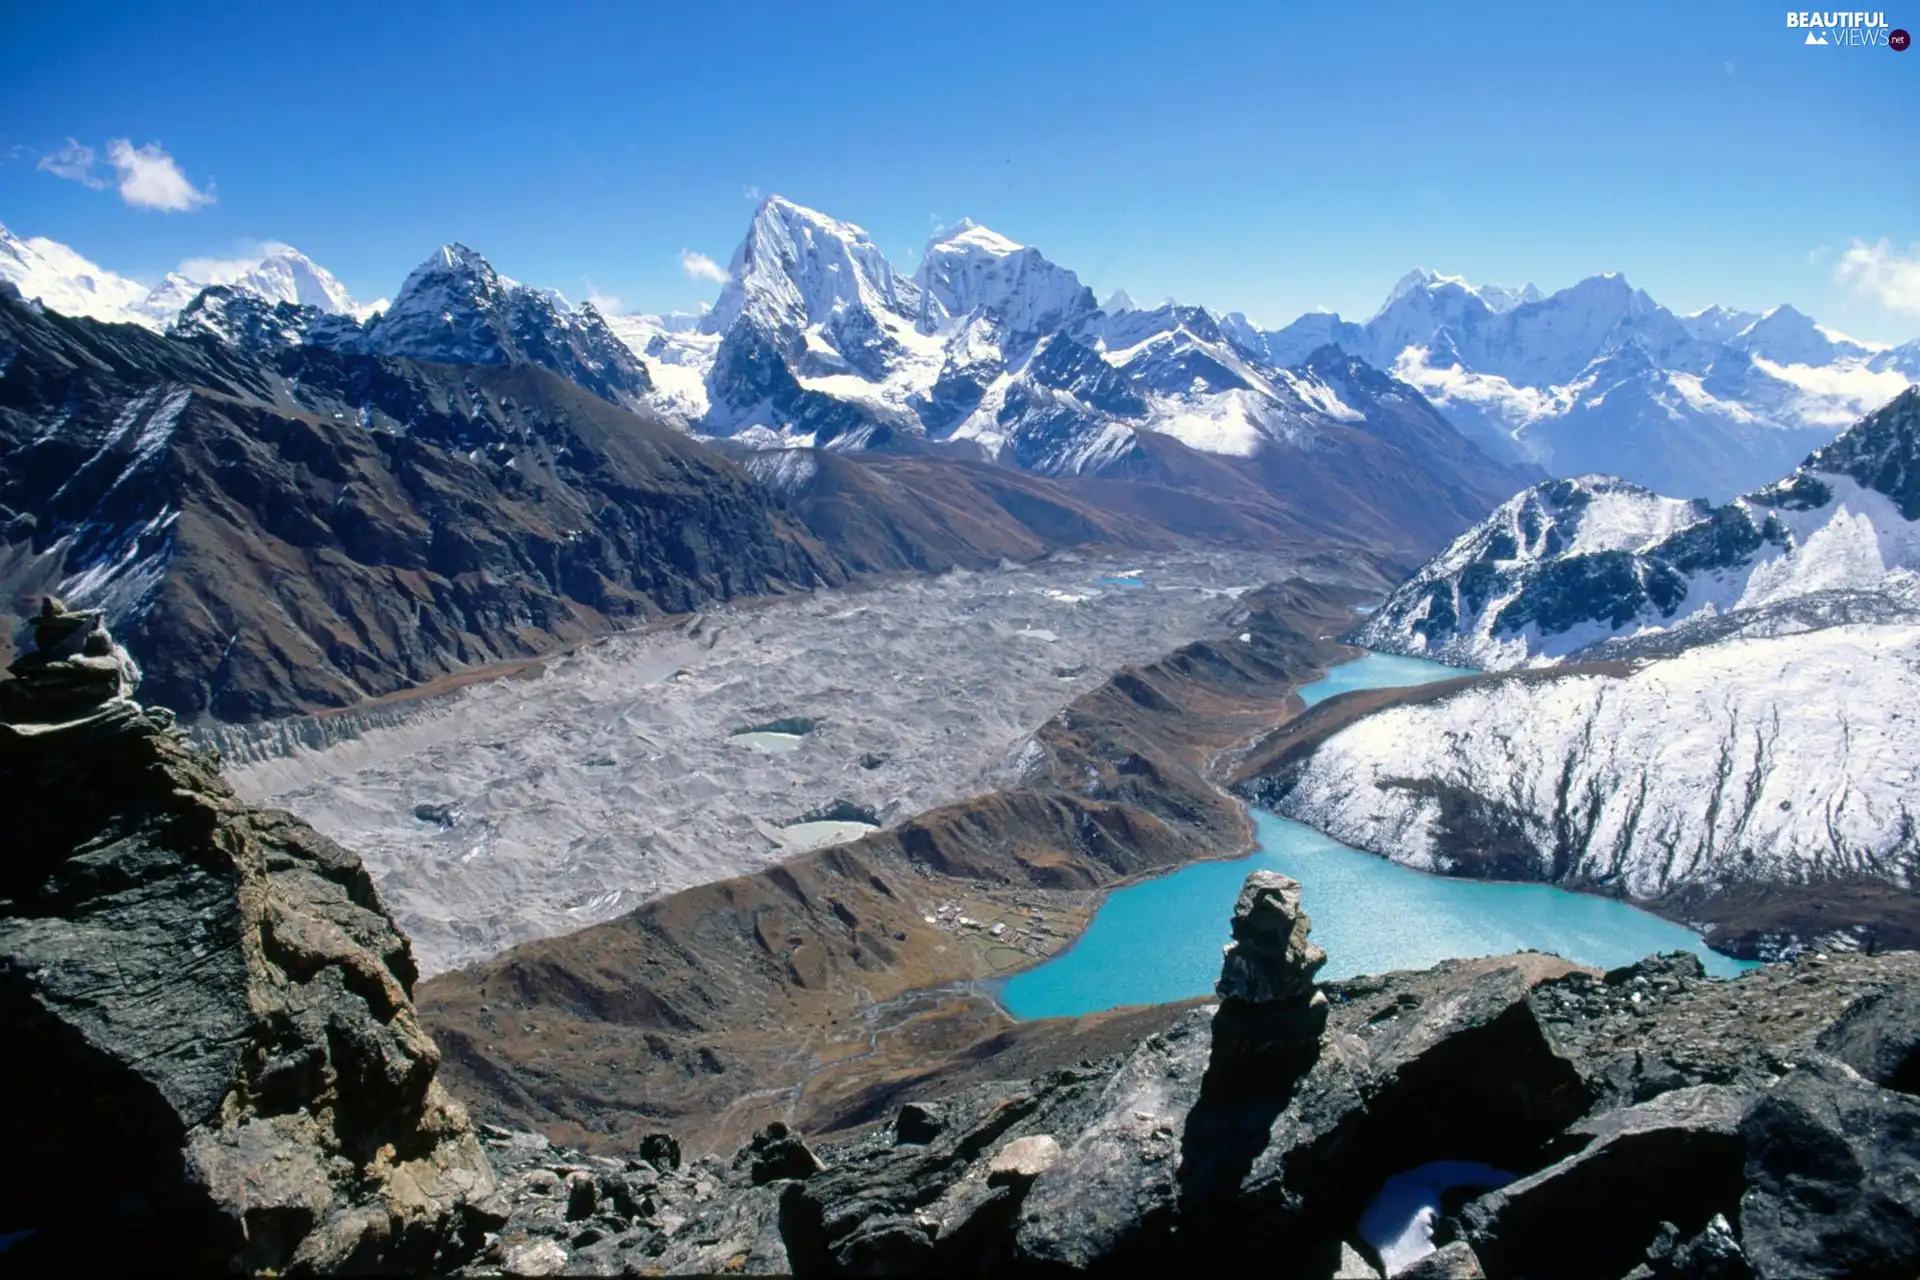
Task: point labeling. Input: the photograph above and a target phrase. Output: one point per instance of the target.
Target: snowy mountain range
(989, 353)
(988, 346)
(1565, 566)
(454, 308)
(991, 349)
(1599, 377)
(70, 284)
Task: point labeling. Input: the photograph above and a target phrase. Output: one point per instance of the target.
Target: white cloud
(150, 179)
(74, 162)
(700, 267)
(227, 270)
(606, 304)
(1878, 272)
(750, 194)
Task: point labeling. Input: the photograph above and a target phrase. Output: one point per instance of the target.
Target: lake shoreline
(1372, 678)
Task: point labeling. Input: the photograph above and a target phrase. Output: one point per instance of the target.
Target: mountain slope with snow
(1573, 563)
(1703, 782)
(63, 281)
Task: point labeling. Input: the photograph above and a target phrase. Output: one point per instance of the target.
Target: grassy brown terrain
(821, 989)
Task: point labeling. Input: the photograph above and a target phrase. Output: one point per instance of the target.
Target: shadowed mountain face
(318, 528)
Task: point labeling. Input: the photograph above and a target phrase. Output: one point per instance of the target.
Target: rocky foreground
(208, 1047)
(212, 1062)
(1661, 1124)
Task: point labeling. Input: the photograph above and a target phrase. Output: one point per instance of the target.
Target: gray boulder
(1833, 1177)
(1673, 1161)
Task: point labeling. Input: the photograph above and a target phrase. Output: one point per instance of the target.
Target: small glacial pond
(1160, 939)
(773, 744)
(802, 836)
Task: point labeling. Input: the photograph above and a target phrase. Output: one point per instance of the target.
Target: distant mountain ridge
(1572, 564)
(60, 278)
(1599, 377)
(816, 340)
(990, 348)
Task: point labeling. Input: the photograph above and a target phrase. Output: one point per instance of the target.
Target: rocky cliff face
(207, 1037)
(1506, 1118)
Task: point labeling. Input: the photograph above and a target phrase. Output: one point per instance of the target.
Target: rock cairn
(75, 669)
(1270, 960)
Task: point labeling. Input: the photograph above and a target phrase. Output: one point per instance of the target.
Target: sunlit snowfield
(527, 807)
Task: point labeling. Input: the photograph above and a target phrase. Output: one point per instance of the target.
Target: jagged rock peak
(798, 266)
(1270, 960)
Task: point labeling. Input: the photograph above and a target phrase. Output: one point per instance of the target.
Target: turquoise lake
(1160, 939)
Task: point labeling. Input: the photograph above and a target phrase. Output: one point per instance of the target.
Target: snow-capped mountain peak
(799, 267)
(287, 275)
(970, 269)
(1717, 323)
(1497, 298)
(68, 283)
(454, 308)
(64, 281)
(1786, 335)
(977, 238)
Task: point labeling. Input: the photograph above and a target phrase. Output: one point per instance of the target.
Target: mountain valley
(647, 764)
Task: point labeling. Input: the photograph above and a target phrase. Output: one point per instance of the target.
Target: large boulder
(207, 1038)
(1879, 1036)
(1455, 1065)
(1832, 1177)
(1673, 1160)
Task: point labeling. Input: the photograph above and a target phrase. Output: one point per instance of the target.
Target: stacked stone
(1270, 960)
(74, 670)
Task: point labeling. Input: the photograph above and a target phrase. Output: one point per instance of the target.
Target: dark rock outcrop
(1832, 1177)
(1731, 1147)
(207, 1037)
(1675, 1159)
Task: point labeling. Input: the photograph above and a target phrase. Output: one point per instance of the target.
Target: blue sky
(1265, 157)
